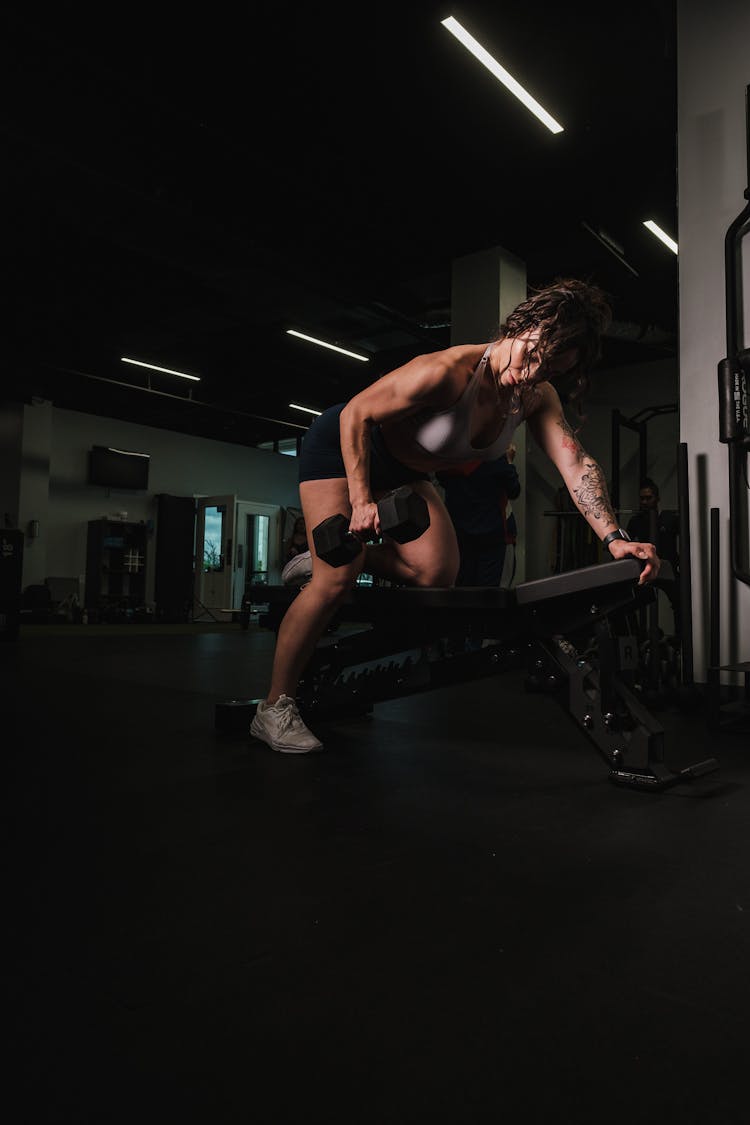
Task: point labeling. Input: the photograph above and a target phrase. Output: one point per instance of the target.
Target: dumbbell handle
(367, 509)
(351, 538)
(367, 535)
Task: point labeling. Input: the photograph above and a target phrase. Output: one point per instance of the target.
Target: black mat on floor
(450, 915)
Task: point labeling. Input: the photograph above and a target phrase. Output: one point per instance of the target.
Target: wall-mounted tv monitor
(118, 468)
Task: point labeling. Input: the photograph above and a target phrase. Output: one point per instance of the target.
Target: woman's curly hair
(569, 313)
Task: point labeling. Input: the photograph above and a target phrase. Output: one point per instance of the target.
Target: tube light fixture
(307, 409)
(165, 370)
(323, 344)
(127, 452)
(502, 75)
(655, 229)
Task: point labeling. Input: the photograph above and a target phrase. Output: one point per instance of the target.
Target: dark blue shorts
(321, 458)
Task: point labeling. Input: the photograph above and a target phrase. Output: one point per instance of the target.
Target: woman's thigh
(321, 499)
(433, 557)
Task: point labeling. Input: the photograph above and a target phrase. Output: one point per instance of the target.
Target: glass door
(214, 553)
(258, 546)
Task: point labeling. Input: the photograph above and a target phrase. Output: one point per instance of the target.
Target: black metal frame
(639, 424)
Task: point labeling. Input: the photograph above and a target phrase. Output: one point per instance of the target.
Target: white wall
(181, 465)
(713, 43)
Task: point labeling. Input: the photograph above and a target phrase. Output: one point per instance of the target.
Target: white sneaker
(282, 728)
(298, 570)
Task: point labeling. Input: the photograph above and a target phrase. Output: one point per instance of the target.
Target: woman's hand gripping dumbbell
(402, 515)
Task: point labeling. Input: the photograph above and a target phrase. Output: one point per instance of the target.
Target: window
(212, 539)
(287, 446)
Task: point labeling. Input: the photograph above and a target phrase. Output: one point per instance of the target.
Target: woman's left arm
(584, 479)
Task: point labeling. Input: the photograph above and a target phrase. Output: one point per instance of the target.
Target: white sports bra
(447, 434)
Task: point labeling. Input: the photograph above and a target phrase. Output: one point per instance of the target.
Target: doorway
(236, 543)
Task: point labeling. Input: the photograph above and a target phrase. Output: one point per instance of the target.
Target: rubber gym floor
(451, 915)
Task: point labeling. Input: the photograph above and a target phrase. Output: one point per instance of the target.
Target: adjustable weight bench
(401, 649)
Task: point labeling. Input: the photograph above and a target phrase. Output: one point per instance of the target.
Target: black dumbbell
(404, 516)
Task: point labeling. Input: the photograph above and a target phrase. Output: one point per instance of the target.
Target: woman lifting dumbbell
(460, 404)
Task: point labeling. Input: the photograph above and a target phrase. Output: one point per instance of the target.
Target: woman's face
(523, 363)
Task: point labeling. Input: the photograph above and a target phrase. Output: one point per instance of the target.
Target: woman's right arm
(431, 380)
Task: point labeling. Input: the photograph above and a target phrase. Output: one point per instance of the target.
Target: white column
(485, 288)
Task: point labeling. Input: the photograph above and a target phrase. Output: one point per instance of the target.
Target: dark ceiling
(183, 192)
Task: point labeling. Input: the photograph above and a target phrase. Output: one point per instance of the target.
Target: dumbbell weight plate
(404, 514)
(333, 543)
(235, 715)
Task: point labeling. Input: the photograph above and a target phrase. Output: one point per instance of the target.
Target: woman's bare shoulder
(459, 359)
(435, 379)
(464, 353)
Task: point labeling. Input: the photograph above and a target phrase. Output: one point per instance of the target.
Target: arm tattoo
(570, 441)
(591, 494)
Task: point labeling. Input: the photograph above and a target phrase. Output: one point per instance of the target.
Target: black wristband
(618, 534)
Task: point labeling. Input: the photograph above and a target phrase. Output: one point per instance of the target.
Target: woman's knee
(334, 583)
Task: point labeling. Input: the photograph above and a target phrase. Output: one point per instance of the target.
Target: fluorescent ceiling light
(127, 452)
(502, 75)
(307, 409)
(166, 370)
(670, 242)
(323, 344)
